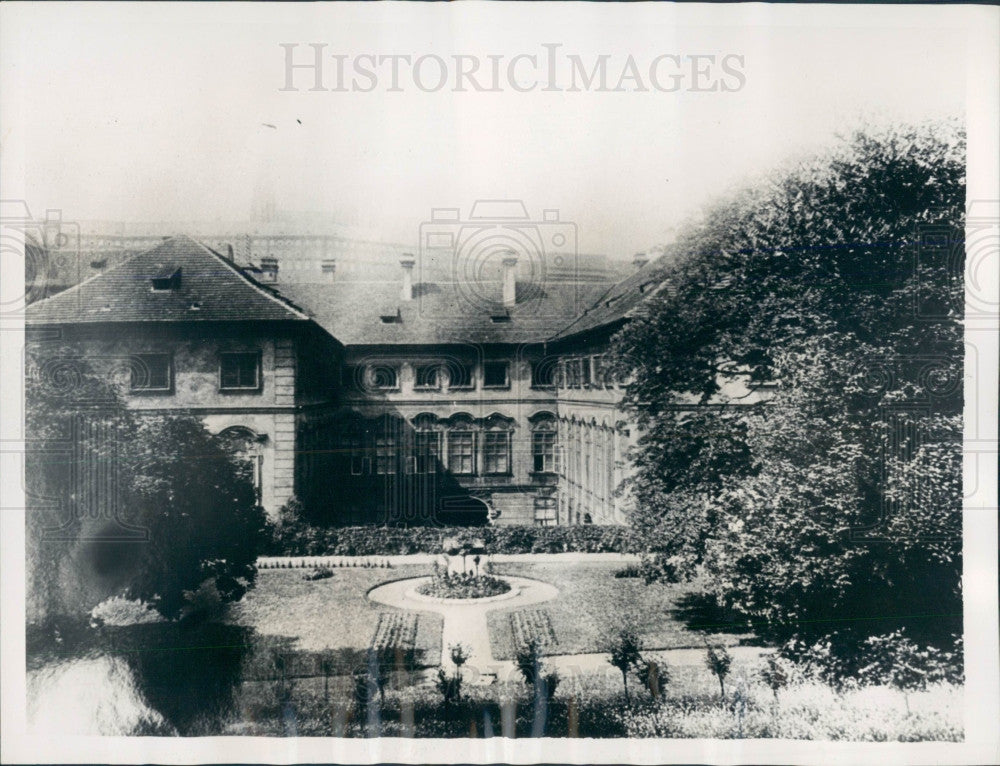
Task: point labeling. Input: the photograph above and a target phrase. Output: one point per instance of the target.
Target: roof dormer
(167, 279)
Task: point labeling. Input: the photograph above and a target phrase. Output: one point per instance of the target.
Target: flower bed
(468, 585)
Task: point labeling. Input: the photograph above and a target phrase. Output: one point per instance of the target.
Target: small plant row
(528, 625)
(395, 630)
(306, 563)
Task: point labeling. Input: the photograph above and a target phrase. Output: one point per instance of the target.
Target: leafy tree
(203, 521)
(176, 483)
(835, 502)
(626, 654)
(719, 661)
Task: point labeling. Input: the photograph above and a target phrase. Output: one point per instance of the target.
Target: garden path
(465, 619)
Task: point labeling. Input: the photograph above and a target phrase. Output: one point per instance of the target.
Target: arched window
(248, 448)
(544, 443)
(497, 434)
(426, 444)
(461, 445)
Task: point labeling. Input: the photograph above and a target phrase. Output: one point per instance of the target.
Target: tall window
(462, 452)
(543, 447)
(496, 452)
(151, 373)
(385, 455)
(239, 372)
(495, 375)
(427, 449)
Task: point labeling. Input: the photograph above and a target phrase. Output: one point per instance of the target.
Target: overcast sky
(159, 113)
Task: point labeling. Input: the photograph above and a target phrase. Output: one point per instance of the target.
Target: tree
(72, 414)
(204, 523)
(626, 655)
(718, 660)
(836, 500)
(194, 527)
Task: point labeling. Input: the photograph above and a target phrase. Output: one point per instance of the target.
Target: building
(430, 394)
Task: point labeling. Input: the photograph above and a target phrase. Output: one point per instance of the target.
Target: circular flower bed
(454, 585)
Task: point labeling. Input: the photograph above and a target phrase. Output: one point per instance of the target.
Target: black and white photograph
(499, 382)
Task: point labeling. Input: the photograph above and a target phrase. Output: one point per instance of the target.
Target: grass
(593, 603)
(334, 613)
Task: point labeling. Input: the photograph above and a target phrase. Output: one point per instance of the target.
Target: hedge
(304, 540)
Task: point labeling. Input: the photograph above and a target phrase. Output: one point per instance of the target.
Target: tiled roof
(621, 300)
(440, 312)
(211, 289)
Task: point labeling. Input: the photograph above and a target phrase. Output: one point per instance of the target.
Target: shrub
(629, 571)
(776, 674)
(459, 654)
(319, 573)
(294, 537)
(117, 611)
(528, 660)
(719, 661)
(449, 686)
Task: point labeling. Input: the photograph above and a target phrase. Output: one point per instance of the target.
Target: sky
(166, 113)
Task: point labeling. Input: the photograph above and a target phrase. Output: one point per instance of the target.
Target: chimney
(639, 260)
(268, 269)
(509, 279)
(406, 260)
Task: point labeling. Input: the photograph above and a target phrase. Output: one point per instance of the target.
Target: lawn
(334, 613)
(593, 604)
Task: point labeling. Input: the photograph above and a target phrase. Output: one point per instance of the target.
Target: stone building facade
(395, 400)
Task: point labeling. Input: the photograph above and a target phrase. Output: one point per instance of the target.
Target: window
(496, 452)
(545, 511)
(573, 373)
(240, 372)
(542, 374)
(543, 448)
(151, 372)
(169, 278)
(383, 377)
(427, 376)
(328, 269)
(427, 449)
(360, 465)
(600, 371)
(462, 452)
(495, 375)
(385, 455)
(459, 375)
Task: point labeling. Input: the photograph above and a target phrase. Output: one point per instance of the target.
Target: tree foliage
(835, 502)
(178, 525)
